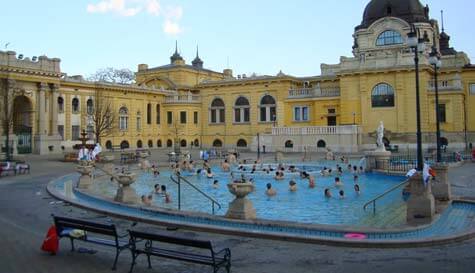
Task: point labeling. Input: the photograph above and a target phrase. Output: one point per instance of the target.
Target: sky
(259, 36)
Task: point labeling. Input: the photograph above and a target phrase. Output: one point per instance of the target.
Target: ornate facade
(190, 106)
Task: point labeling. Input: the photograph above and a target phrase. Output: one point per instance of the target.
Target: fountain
(108, 163)
(241, 207)
(125, 193)
(85, 166)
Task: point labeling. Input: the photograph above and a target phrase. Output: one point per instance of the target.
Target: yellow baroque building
(190, 106)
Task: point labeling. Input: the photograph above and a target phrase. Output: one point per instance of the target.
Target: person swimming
(342, 194)
(157, 189)
(311, 181)
(209, 174)
(328, 193)
(270, 191)
(357, 188)
(355, 179)
(338, 182)
(215, 184)
(292, 186)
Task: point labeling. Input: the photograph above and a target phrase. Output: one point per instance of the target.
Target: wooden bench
(159, 245)
(108, 232)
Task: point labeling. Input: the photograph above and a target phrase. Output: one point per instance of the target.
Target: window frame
(75, 108)
(183, 118)
(303, 113)
(242, 112)
(267, 112)
(217, 114)
(382, 100)
(389, 37)
(123, 118)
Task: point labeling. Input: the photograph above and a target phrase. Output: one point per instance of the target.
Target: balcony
(315, 92)
(183, 99)
(316, 130)
(452, 85)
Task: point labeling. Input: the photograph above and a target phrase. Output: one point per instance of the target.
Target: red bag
(51, 242)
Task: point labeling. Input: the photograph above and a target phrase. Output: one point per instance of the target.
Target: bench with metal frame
(10, 169)
(159, 245)
(65, 225)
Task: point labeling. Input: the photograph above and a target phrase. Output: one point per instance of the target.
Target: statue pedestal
(421, 204)
(85, 169)
(378, 159)
(279, 156)
(241, 208)
(441, 184)
(125, 193)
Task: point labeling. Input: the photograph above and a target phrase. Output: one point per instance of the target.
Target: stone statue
(379, 140)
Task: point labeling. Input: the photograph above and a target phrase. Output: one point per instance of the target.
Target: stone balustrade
(316, 130)
(314, 93)
(185, 99)
(454, 85)
(41, 63)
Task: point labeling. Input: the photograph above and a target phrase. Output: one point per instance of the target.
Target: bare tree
(103, 115)
(113, 75)
(6, 113)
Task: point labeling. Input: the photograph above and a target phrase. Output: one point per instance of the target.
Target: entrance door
(24, 139)
(331, 121)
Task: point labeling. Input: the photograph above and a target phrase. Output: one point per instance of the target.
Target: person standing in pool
(342, 194)
(311, 182)
(225, 166)
(357, 189)
(270, 191)
(292, 186)
(338, 182)
(215, 184)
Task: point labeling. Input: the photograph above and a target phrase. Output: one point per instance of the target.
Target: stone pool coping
(283, 236)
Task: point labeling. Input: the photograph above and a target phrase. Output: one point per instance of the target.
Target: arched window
(124, 144)
(197, 143)
(382, 95)
(183, 143)
(75, 105)
(242, 110)
(241, 143)
(149, 113)
(159, 143)
(389, 37)
(169, 143)
(150, 143)
(139, 144)
(289, 144)
(109, 145)
(217, 143)
(60, 104)
(90, 107)
(139, 121)
(267, 109)
(321, 144)
(158, 114)
(216, 111)
(123, 119)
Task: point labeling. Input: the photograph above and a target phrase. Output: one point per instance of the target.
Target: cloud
(114, 6)
(172, 28)
(174, 13)
(153, 7)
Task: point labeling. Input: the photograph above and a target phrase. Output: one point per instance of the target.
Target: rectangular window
(263, 114)
(237, 115)
(158, 114)
(61, 131)
(221, 116)
(331, 111)
(301, 113)
(442, 113)
(182, 117)
(169, 117)
(149, 113)
(213, 115)
(75, 132)
(472, 89)
(247, 115)
(195, 117)
(139, 124)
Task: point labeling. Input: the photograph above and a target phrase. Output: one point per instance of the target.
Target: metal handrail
(180, 178)
(373, 201)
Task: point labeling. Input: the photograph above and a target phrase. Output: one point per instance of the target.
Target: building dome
(411, 11)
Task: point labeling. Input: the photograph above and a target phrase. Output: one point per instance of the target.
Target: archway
(183, 143)
(124, 144)
(217, 143)
(139, 144)
(169, 143)
(242, 143)
(289, 144)
(321, 144)
(150, 143)
(22, 123)
(197, 143)
(109, 145)
(159, 143)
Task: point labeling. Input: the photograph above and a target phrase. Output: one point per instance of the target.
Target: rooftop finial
(442, 16)
(176, 46)
(197, 62)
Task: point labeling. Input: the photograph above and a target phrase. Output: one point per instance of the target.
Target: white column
(54, 109)
(42, 109)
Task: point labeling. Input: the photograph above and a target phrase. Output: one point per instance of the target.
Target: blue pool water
(305, 205)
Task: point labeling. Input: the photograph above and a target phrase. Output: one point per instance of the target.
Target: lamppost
(434, 59)
(417, 43)
(273, 120)
(354, 118)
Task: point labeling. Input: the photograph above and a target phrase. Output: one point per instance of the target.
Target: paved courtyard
(25, 217)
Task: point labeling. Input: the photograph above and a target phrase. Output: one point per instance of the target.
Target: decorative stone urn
(125, 193)
(241, 207)
(108, 165)
(85, 169)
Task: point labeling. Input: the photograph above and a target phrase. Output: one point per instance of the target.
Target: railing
(446, 85)
(314, 93)
(317, 130)
(373, 201)
(183, 99)
(178, 182)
